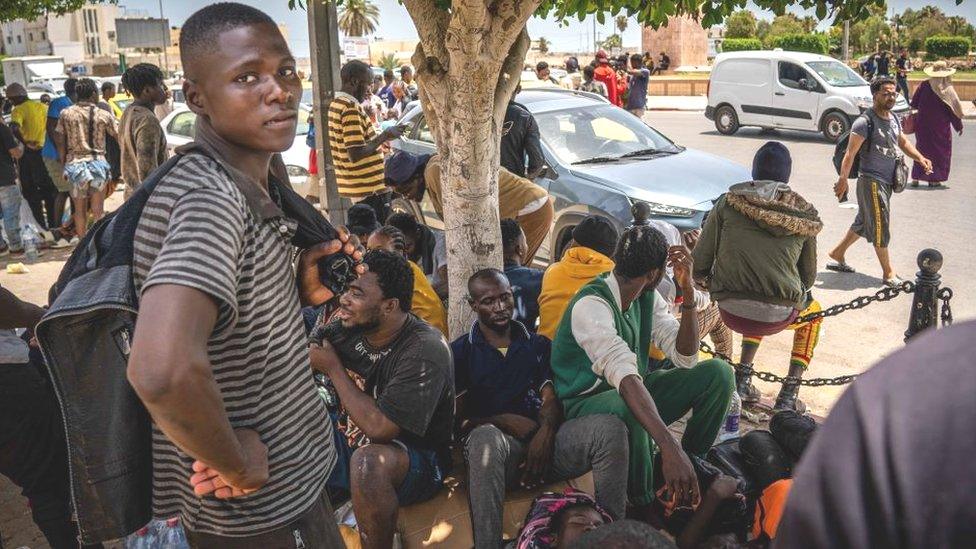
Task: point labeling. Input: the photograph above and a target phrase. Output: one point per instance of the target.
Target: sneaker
(60, 243)
(74, 241)
(894, 282)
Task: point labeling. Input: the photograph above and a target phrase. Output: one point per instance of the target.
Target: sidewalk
(676, 102)
(699, 102)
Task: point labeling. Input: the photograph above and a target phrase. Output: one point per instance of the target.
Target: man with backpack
(874, 143)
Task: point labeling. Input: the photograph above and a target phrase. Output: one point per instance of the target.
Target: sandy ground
(850, 343)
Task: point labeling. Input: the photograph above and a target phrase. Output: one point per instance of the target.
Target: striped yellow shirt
(350, 127)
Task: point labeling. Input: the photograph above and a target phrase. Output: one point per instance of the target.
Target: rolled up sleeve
(664, 333)
(595, 332)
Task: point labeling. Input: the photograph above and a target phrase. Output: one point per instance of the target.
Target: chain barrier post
(924, 312)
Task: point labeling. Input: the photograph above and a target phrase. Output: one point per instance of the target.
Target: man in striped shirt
(219, 355)
(355, 145)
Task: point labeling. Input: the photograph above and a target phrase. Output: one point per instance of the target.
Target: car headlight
(296, 171)
(864, 102)
(666, 210)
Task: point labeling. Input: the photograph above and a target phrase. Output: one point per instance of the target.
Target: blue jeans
(10, 199)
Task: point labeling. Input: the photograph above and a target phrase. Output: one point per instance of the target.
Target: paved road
(941, 219)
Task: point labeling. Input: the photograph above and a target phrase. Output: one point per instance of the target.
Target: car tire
(835, 125)
(726, 121)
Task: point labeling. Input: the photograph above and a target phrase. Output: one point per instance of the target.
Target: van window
(790, 75)
(751, 71)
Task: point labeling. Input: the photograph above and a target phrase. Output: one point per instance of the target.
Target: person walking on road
(903, 65)
(639, 75)
(876, 175)
(938, 108)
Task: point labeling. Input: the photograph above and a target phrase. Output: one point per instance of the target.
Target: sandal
(935, 184)
(840, 267)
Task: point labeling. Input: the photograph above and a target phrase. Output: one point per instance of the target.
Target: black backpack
(840, 149)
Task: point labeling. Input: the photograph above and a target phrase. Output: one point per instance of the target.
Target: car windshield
(605, 131)
(837, 74)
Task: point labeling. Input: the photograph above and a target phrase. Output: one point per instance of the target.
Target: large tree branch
(431, 23)
(511, 73)
(510, 17)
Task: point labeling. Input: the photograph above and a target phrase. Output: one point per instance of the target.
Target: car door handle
(779, 93)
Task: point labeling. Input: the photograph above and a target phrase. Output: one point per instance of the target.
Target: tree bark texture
(468, 63)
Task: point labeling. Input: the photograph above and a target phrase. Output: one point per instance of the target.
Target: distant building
(683, 39)
(93, 28)
(22, 37)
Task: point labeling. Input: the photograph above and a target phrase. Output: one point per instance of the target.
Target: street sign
(355, 47)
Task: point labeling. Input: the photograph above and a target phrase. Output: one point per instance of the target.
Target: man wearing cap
(413, 176)
(587, 256)
(605, 73)
(28, 120)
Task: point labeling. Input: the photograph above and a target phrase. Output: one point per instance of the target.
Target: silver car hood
(689, 179)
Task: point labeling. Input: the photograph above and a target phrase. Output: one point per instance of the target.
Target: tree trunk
(465, 86)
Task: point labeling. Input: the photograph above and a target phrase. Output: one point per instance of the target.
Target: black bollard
(925, 310)
(641, 213)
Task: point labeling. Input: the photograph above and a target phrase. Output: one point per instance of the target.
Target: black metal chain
(945, 294)
(773, 378)
(884, 294)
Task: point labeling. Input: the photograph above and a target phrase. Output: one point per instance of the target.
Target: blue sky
(395, 23)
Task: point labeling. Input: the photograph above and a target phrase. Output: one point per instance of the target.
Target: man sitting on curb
(526, 281)
(587, 256)
(413, 176)
(599, 363)
(505, 394)
(406, 409)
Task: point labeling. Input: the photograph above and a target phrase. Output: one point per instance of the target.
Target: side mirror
(549, 173)
(804, 84)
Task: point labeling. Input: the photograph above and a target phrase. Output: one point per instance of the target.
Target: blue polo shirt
(494, 383)
(526, 286)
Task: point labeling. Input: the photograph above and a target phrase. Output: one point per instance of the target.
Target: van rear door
(745, 83)
(796, 97)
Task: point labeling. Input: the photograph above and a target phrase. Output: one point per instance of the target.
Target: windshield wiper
(597, 160)
(643, 152)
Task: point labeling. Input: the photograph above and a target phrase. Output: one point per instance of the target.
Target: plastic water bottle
(143, 538)
(30, 240)
(170, 535)
(730, 429)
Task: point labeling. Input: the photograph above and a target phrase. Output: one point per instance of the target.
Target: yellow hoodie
(563, 279)
(426, 304)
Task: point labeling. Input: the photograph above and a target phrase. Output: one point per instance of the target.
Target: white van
(786, 89)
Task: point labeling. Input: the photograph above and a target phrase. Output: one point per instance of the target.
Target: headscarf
(942, 86)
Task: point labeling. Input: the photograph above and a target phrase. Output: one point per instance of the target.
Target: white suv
(785, 89)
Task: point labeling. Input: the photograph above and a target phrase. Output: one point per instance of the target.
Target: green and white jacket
(597, 344)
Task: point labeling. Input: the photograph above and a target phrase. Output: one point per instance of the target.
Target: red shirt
(605, 74)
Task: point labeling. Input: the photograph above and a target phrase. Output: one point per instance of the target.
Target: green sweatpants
(706, 390)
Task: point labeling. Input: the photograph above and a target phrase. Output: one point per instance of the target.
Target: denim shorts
(424, 478)
(86, 176)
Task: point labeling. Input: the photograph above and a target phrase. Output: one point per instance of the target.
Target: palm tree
(622, 22)
(358, 17)
(543, 45)
(388, 61)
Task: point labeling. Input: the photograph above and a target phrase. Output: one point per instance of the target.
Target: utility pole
(323, 32)
(162, 21)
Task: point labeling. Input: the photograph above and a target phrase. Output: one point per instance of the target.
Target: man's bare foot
(833, 255)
